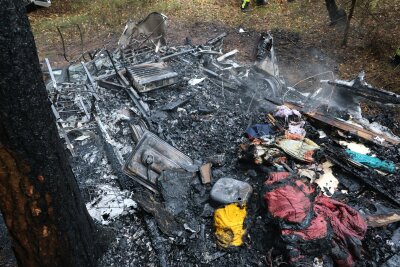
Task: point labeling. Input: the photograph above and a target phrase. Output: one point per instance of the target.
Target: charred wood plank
(175, 104)
(382, 219)
(206, 173)
(216, 39)
(156, 240)
(110, 85)
(368, 92)
(349, 128)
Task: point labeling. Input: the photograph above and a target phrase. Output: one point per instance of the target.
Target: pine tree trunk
(39, 197)
(335, 14)
(347, 29)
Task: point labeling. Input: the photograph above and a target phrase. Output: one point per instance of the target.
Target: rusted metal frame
(93, 85)
(174, 55)
(63, 41)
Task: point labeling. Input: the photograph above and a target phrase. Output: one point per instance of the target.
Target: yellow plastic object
(228, 223)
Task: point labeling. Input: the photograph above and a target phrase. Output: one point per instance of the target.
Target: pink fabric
(285, 112)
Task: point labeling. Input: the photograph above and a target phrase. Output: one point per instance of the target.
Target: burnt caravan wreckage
(156, 128)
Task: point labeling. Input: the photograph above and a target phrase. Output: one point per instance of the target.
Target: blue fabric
(386, 166)
(258, 130)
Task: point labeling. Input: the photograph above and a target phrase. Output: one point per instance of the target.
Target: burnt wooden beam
(346, 127)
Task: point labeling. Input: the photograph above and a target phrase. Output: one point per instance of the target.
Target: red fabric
(256, 141)
(293, 136)
(346, 262)
(346, 223)
(280, 160)
(276, 177)
(308, 156)
(304, 187)
(345, 220)
(288, 203)
(291, 203)
(318, 229)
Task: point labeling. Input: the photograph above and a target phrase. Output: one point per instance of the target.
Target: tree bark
(39, 197)
(335, 14)
(347, 29)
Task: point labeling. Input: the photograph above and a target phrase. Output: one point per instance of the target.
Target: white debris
(297, 128)
(241, 30)
(130, 203)
(187, 228)
(57, 72)
(195, 81)
(390, 243)
(109, 204)
(138, 234)
(233, 64)
(310, 174)
(125, 150)
(120, 117)
(225, 56)
(379, 140)
(181, 110)
(82, 137)
(327, 182)
(347, 83)
(350, 121)
(356, 147)
(374, 127)
(380, 129)
(318, 262)
(322, 134)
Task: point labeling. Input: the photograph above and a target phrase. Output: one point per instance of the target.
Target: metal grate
(150, 76)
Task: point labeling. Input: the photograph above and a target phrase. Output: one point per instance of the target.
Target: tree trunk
(335, 14)
(39, 197)
(347, 30)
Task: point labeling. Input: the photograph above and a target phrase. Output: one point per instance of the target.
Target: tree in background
(347, 29)
(39, 197)
(335, 14)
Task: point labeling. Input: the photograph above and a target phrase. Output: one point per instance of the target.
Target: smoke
(309, 77)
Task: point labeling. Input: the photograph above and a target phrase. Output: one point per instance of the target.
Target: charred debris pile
(191, 158)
